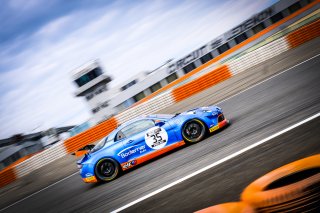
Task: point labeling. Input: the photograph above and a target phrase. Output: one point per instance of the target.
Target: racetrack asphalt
(225, 182)
(255, 114)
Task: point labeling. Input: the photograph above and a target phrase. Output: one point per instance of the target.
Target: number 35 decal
(156, 137)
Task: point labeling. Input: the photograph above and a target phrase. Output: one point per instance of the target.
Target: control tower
(92, 84)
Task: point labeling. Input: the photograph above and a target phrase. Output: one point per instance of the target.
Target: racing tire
(107, 169)
(293, 187)
(194, 131)
(234, 207)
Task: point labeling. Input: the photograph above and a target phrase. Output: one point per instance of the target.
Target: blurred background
(70, 71)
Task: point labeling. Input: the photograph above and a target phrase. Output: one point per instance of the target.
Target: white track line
(217, 103)
(19, 201)
(216, 163)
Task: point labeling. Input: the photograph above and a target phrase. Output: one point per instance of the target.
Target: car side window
(119, 136)
(137, 127)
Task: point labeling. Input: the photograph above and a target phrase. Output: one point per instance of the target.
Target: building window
(89, 97)
(277, 17)
(240, 38)
(120, 107)
(155, 87)
(171, 77)
(88, 76)
(189, 68)
(139, 96)
(82, 80)
(95, 110)
(128, 85)
(207, 57)
(293, 8)
(258, 28)
(223, 48)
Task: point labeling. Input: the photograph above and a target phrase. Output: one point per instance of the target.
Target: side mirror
(160, 123)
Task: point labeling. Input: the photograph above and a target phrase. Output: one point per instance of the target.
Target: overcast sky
(42, 41)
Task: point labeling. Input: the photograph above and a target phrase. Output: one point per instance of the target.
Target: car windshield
(102, 142)
(137, 127)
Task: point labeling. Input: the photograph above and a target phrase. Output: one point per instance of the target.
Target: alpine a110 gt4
(147, 137)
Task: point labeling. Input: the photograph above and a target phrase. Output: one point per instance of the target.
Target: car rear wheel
(107, 169)
(193, 131)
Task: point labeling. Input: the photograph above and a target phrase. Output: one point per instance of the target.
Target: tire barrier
(45, 157)
(202, 83)
(293, 187)
(258, 56)
(304, 34)
(233, 207)
(160, 102)
(169, 96)
(90, 136)
(8, 175)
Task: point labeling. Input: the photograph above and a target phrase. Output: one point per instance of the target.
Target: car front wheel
(193, 131)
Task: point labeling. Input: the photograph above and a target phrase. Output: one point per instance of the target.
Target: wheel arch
(106, 158)
(194, 118)
(190, 119)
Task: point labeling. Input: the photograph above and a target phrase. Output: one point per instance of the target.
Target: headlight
(79, 166)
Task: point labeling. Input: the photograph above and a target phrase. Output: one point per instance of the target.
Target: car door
(166, 130)
(144, 137)
(133, 141)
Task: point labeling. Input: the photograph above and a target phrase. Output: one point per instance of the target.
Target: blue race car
(144, 138)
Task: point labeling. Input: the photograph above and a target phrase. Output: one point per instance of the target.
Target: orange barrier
(234, 207)
(91, 135)
(292, 186)
(204, 82)
(7, 176)
(304, 34)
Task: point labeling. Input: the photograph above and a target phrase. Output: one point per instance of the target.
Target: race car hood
(202, 110)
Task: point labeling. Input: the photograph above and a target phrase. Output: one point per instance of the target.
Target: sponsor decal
(97, 91)
(248, 24)
(156, 137)
(189, 58)
(129, 164)
(101, 106)
(132, 150)
(212, 129)
(89, 175)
